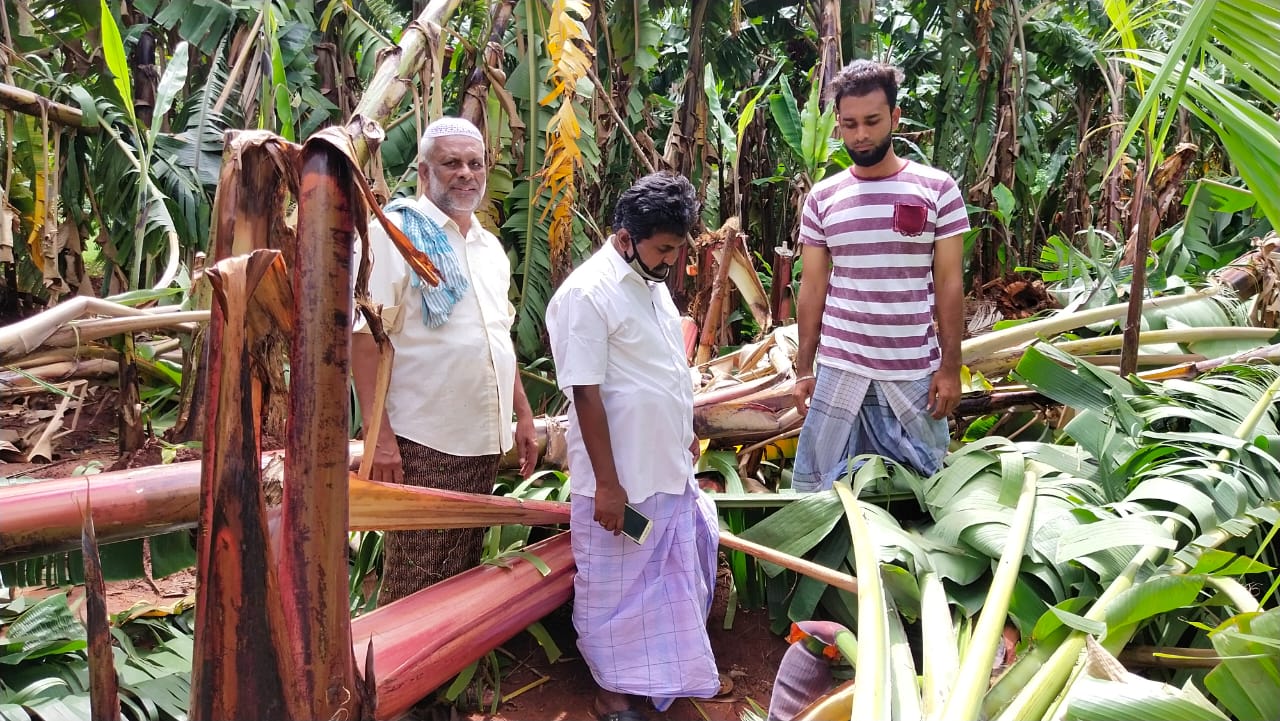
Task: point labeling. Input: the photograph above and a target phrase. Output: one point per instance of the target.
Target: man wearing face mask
(640, 608)
(881, 307)
(454, 380)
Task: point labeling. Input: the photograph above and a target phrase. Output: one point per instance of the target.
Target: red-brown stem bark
(104, 686)
(313, 574)
(236, 670)
(472, 616)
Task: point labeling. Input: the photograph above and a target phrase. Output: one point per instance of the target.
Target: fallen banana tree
(455, 622)
(748, 392)
(745, 398)
(154, 500)
(1001, 362)
(65, 325)
(732, 270)
(459, 620)
(1080, 546)
(43, 517)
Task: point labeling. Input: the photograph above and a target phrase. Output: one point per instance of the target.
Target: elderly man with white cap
(454, 380)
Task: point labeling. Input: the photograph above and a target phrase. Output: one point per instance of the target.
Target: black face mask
(653, 275)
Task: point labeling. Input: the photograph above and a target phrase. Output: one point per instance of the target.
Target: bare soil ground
(90, 442)
(532, 689)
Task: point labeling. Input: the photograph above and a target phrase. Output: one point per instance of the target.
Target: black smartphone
(635, 525)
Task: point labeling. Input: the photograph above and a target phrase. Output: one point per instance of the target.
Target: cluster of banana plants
(1141, 526)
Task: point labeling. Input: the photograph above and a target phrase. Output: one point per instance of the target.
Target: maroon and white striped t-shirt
(878, 319)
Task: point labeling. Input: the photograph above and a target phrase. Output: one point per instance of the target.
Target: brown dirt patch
(92, 442)
(91, 438)
(124, 595)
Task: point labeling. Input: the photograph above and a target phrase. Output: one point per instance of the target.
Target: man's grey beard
(441, 196)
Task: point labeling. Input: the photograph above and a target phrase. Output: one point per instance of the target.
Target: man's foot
(726, 685)
(610, 706)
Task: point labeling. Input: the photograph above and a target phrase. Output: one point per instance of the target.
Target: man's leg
(640, 610)
(903, 428)
(413, 560)
(821, 455)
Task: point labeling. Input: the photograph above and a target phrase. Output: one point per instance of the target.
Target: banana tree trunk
(44, 517)
(476, 95)
(1143, 229)
(780, 300)
(240, 649)
(305, 667)
(313, 567)
(1112, 217)
(41, 518)
(422, 640)
(829, 55)
(397, 72)
(65, 325)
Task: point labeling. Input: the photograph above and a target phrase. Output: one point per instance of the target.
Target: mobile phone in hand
(635, 525)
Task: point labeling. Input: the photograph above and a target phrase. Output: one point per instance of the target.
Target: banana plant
(806, 132)
(1065, 541)
(1191, 480)
(1226, 36)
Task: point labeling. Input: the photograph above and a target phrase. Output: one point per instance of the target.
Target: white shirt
(610, 328)
(451, 386)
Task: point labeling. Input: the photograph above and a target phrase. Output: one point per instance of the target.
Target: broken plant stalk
(104, 685)
(373, 426)
(238, 663)
(460, 619)
(313, 553)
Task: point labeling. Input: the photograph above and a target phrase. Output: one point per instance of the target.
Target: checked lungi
(414, 560)
(641, 610)
(850, 415)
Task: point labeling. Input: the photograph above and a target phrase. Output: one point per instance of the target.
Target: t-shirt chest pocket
(910, 217)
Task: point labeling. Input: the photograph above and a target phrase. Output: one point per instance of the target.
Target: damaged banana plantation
(200, 202)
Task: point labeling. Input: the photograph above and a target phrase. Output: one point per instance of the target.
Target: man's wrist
(608, 484)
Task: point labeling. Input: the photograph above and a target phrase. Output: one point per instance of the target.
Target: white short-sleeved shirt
(451, 386)
(611, 328)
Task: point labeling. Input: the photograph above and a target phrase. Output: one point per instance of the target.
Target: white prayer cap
(452, 126)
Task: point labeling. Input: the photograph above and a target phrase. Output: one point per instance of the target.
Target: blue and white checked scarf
(429, 238)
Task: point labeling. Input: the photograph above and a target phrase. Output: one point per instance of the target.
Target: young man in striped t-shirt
(882, 262)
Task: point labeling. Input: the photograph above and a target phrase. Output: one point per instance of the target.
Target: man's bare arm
(526, 438)
(948, 288)
(815, 276)
(594, 424)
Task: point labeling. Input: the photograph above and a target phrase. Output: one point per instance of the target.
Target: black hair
(661, 202)
(863, 77)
